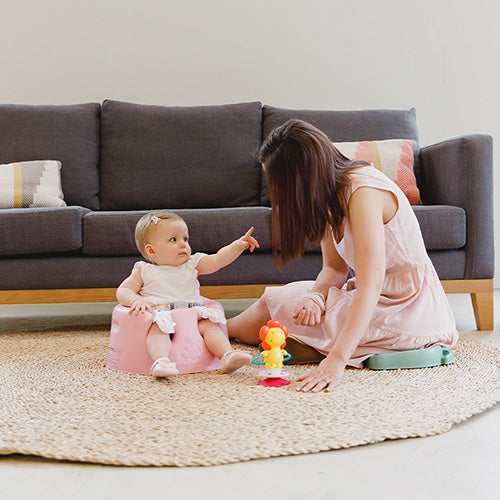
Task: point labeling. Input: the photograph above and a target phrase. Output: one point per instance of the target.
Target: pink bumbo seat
(127, 345)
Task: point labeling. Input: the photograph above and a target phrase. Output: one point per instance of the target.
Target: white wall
(439, 56)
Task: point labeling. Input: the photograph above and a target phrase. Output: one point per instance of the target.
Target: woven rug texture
(59, 401)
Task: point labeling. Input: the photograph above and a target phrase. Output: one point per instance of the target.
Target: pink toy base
(274, 382)
(127, 344)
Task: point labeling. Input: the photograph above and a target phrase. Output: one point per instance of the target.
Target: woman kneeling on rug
(363, 221)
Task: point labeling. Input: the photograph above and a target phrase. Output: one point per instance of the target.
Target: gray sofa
(121, 159)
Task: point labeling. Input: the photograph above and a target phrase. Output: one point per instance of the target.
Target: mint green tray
(418, 358)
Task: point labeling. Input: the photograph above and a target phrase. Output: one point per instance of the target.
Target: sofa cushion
(40, 230)
(349, 126)
(112, 232)
(443, 227)
(179, 157)
(346, 126)
(68, 133)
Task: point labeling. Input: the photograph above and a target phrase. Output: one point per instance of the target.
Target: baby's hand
(247, 241)
(139, 306)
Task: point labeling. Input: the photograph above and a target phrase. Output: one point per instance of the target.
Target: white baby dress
(173, 287)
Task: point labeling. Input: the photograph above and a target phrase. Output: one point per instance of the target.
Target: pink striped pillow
(394, 157)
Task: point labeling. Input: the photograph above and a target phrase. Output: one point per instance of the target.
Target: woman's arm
(334, 270)
(227, 254)
(368, 208)
(333, 273)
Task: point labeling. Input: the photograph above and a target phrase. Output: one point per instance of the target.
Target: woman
(363, 221)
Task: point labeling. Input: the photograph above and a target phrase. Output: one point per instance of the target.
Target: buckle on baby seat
(169, 306)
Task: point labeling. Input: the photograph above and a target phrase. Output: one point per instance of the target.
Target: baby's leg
(218, 344)
(159, 346)
(215, 340)
(158, 343)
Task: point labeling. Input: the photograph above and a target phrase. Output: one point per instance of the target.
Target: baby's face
(169, 243)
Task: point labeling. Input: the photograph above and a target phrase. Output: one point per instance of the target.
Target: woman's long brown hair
(308, 183)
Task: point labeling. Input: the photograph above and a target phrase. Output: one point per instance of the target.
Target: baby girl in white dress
(170, 281)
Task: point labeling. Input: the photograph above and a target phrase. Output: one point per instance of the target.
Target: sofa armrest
(459, 172)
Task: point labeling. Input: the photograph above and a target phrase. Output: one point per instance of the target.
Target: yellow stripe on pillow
(376, 155)
(18, 185)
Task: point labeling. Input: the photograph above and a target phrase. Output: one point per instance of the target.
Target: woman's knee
(246, 325)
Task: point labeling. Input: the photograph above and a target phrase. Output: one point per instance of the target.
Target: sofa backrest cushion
(347, 126)
(68, 133)
(179, 157)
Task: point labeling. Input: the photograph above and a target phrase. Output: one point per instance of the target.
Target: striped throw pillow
(31, 184)
(394, 157)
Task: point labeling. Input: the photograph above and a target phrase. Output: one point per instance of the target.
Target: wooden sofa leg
(481, 293)
(482, 303)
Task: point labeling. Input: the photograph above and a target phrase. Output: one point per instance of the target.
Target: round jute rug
(58, 400)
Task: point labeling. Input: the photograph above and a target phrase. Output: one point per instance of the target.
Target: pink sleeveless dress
(412, 311)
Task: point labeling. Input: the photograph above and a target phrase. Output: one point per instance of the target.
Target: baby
(170, 281)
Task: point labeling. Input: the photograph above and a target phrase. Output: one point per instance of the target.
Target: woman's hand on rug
(327, 375)
(139, 306)
(307, 313)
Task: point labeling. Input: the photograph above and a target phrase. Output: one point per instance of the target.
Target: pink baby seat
(127, 344)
